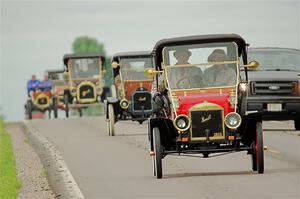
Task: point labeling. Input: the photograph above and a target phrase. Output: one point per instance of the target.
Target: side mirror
(115, 64)
(252, 65)
(151, 72)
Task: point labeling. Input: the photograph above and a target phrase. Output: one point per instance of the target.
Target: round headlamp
(124, 103)
(73, 91)
(99, 90)
(233, 120)
(182, 123)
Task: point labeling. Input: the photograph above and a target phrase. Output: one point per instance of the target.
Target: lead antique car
(205, 111)
(132, 100)
(85, 73)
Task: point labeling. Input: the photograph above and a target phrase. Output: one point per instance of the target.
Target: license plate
(274, 107)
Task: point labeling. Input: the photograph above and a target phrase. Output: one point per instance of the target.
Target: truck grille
(141, 101)
(273, 88)
(207, 121)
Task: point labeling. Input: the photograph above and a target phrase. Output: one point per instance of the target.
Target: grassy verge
(9, 184)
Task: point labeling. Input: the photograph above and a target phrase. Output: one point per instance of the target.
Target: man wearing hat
(219, 74)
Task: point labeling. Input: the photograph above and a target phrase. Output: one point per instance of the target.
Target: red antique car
(203, 113)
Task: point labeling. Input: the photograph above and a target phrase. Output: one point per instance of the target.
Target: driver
(181, 77)
(185, 77)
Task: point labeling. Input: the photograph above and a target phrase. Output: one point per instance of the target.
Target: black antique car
(132, 100)
(205, 111)
(85, 73)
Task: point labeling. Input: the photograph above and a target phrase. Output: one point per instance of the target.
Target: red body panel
(131, 86)
(186, 102)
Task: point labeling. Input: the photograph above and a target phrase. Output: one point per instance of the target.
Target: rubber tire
(29, 109)
(55, 107)
(66, 101)
(80, 112)
(297, 124)
(111, 123)
(259, 148)
(253, 158)
(158, 153)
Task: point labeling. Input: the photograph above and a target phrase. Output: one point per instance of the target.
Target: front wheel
(158, 153)
(259, 148)
(29, 109)
(111, 122)
(66, 101)
(297, 124)
(55, 107)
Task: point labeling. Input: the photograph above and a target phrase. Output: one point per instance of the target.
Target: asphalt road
(120, 167)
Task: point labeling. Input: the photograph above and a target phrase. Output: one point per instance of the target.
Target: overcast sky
(36, 34)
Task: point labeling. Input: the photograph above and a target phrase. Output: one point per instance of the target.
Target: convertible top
(133, 54)
(196, 39)
(82, 55)
(54, 71)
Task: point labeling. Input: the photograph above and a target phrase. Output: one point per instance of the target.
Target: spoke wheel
(111, 122)
(259, 148)
(158, 153)
(55, 107)
(29, 109)
(66, 101)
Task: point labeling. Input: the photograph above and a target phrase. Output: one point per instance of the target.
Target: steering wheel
(181, 83)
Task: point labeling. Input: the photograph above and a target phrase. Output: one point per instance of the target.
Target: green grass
(9, 184)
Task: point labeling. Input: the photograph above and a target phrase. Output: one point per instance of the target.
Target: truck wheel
(297, 124)
(158, 153)
(111, 122)
(259, 148)
(66, 101)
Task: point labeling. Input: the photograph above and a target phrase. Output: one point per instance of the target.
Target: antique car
(133, 99)
(205, 114)
(85, 73)
(275, 87)
(41, 101)
(60, 85)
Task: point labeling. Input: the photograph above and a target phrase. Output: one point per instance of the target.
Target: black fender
(168, 133)
(248, 127)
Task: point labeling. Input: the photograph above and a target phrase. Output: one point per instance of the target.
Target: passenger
(33, 84)
(46, 84)
(219, 74)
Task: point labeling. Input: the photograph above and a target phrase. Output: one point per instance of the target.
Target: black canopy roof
(133, 54)
(196, 39)
(54, 71)
(82, 55)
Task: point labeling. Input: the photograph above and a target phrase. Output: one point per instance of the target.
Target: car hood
(272, 75)
(186, 102)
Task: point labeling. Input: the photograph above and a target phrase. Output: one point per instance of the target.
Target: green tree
(87, 44)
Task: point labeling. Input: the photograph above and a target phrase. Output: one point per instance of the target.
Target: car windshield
(86, 68)
(276, 59)
(133, 68)
(57, 79)
(201, 65)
